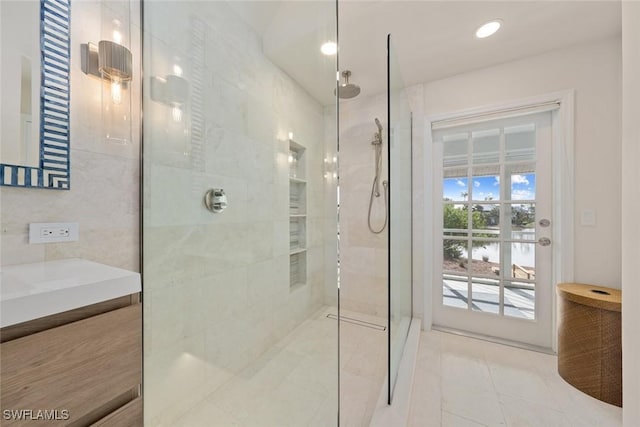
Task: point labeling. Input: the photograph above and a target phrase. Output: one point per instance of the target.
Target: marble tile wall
(104, 177)
(363, 254)
(217, 292)
(330, 208)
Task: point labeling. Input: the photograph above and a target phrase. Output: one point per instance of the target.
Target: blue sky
(523, 187)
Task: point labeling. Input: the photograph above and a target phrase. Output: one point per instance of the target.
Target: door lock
(544, 241)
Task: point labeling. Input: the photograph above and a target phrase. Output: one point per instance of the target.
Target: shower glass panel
(237, 285)
(400, 278)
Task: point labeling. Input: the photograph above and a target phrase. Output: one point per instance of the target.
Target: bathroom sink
(31, 291)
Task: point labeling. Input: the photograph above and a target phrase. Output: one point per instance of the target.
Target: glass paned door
(493, 275)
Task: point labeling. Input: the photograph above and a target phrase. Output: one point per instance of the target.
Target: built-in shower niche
(297, 198)
(297, 215)
(297, 269)
(297, 234)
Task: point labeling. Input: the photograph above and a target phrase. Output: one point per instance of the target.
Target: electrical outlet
(53, 232)
(48, 233)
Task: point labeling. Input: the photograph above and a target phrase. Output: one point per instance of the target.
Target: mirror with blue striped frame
(46, 166)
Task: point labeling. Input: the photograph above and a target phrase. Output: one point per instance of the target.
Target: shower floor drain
(358, 322)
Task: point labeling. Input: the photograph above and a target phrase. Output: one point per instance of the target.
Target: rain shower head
(347, 90)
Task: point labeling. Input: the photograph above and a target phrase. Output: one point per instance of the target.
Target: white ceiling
(431, 39)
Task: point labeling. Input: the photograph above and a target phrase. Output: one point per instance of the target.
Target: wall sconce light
(173, 91)
(112, 63)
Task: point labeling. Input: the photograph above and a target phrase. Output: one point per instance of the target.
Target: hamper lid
(594, 296)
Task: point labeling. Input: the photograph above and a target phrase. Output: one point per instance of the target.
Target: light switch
(588, 218)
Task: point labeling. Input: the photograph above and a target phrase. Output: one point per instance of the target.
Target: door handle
(544, 241)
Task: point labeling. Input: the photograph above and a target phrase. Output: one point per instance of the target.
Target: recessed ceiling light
(488, 29)
(329, 48)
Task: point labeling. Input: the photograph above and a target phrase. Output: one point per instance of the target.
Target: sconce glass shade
(116, 110)
(170, 90)
(114, 60)
(172, 93)
(115, 65)
(177, 89)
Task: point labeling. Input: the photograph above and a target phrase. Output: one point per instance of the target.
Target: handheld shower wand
(375, 189)
(379, 127)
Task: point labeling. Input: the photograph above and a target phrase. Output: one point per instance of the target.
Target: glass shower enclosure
(240, 217)
(400, 215)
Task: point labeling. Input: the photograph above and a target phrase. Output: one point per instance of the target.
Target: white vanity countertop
(31, 291)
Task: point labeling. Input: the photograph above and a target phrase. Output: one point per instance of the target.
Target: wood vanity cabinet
(82, 367)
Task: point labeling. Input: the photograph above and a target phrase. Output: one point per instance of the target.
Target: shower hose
(375, 189)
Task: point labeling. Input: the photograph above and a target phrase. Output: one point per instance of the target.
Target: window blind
(494, 115)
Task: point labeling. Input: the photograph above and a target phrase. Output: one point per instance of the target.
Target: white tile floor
(295, 383)
(458, 381)
(363, 361)
(462, 381)
(292, 384)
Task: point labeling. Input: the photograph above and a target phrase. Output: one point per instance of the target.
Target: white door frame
(562, 127)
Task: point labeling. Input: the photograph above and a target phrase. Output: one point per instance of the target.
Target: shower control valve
(215, 200)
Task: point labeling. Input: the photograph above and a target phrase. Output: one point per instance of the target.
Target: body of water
(523, 254)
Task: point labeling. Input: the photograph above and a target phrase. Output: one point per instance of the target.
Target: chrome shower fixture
(375, 188)
(377, 137)
(347, 90)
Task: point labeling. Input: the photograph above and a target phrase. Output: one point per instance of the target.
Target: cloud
(461, 183)
(519, 179)
(476, 184)
(525, 194)
(497, 182)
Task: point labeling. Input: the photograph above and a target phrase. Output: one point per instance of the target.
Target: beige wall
(631, 212)
(594, 71)
(104, 177)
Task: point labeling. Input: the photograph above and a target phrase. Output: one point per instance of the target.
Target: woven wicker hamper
(590, 340)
